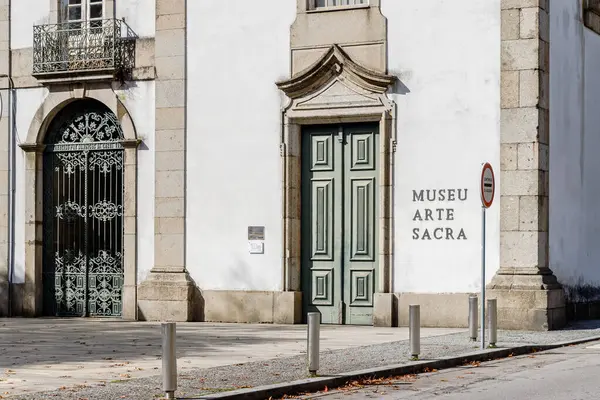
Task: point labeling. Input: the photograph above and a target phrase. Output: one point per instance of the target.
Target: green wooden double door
(340, 207)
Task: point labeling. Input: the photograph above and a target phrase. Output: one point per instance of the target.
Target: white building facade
(219, 161)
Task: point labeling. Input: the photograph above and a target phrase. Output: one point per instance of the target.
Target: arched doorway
(83, 197)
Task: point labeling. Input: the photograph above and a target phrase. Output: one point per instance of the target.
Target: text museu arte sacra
(436, 230)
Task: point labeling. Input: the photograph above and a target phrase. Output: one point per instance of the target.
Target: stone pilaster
(168, 293)
(4, 130)
(529, 295)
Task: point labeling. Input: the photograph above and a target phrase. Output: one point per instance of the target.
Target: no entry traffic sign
(488, 185)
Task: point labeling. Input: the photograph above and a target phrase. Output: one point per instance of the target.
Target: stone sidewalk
(103, 359)
(61, 354)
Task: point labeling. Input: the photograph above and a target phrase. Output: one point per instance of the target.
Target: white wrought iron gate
(83, 213)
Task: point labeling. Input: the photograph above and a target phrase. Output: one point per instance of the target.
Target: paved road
(570, 373)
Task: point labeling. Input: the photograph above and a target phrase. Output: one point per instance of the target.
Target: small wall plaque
(256, 233)
(256, 247)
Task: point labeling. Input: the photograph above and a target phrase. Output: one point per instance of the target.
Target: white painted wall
(138, 98)
(139, 15)
(447, 54)
(25, 14)
(453, 108)
(574, 163)
(237, 54)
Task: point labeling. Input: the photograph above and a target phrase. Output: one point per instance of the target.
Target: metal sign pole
(483, 277)
(488, 189)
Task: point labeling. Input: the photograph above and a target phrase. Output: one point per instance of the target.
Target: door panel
(321, 210)
(105, 232)
(339, 217)
(361, 208)
(64, 222)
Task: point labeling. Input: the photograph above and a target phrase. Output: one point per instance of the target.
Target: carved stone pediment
(339, 93)
(335, 81)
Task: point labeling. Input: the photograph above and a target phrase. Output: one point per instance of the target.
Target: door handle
(340, 135)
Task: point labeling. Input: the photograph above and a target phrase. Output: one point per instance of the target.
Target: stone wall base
(384, 310)
(531, 310)
(17, 293)
(167, 296)
(528, 299)
(438, 310)
(252, 306)
(518, 309)
(3, 299)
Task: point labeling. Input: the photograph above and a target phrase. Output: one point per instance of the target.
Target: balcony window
(77, 12)
(83, 42)
(316, 4)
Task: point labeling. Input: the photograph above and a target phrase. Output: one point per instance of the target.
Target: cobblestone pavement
(83, 359)
(49, 354)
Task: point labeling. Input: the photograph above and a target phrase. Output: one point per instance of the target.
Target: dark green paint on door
(339, 221)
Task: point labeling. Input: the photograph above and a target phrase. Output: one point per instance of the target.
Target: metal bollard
(169, 359)
(414, 330)
(314, 328)
(473, 322)
(493, 321)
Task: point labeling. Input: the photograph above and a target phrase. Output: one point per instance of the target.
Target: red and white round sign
(488, 185)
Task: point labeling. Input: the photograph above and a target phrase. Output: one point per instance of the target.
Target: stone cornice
(32, 147)
(333, 63)
(131, 143)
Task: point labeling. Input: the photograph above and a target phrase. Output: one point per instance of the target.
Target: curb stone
(317, 384)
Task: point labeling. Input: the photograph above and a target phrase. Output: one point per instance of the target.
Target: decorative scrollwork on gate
(91, 127)
(105, 210)
(105, 283)
(70, 210)
(105, 160)
(69, 285)
(76, 125)
(71, 162)
(83, 212)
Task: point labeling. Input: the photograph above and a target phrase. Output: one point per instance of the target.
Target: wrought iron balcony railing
(88, 47)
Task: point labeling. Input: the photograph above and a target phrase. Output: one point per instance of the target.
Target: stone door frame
(33, 148)
(335, 90)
